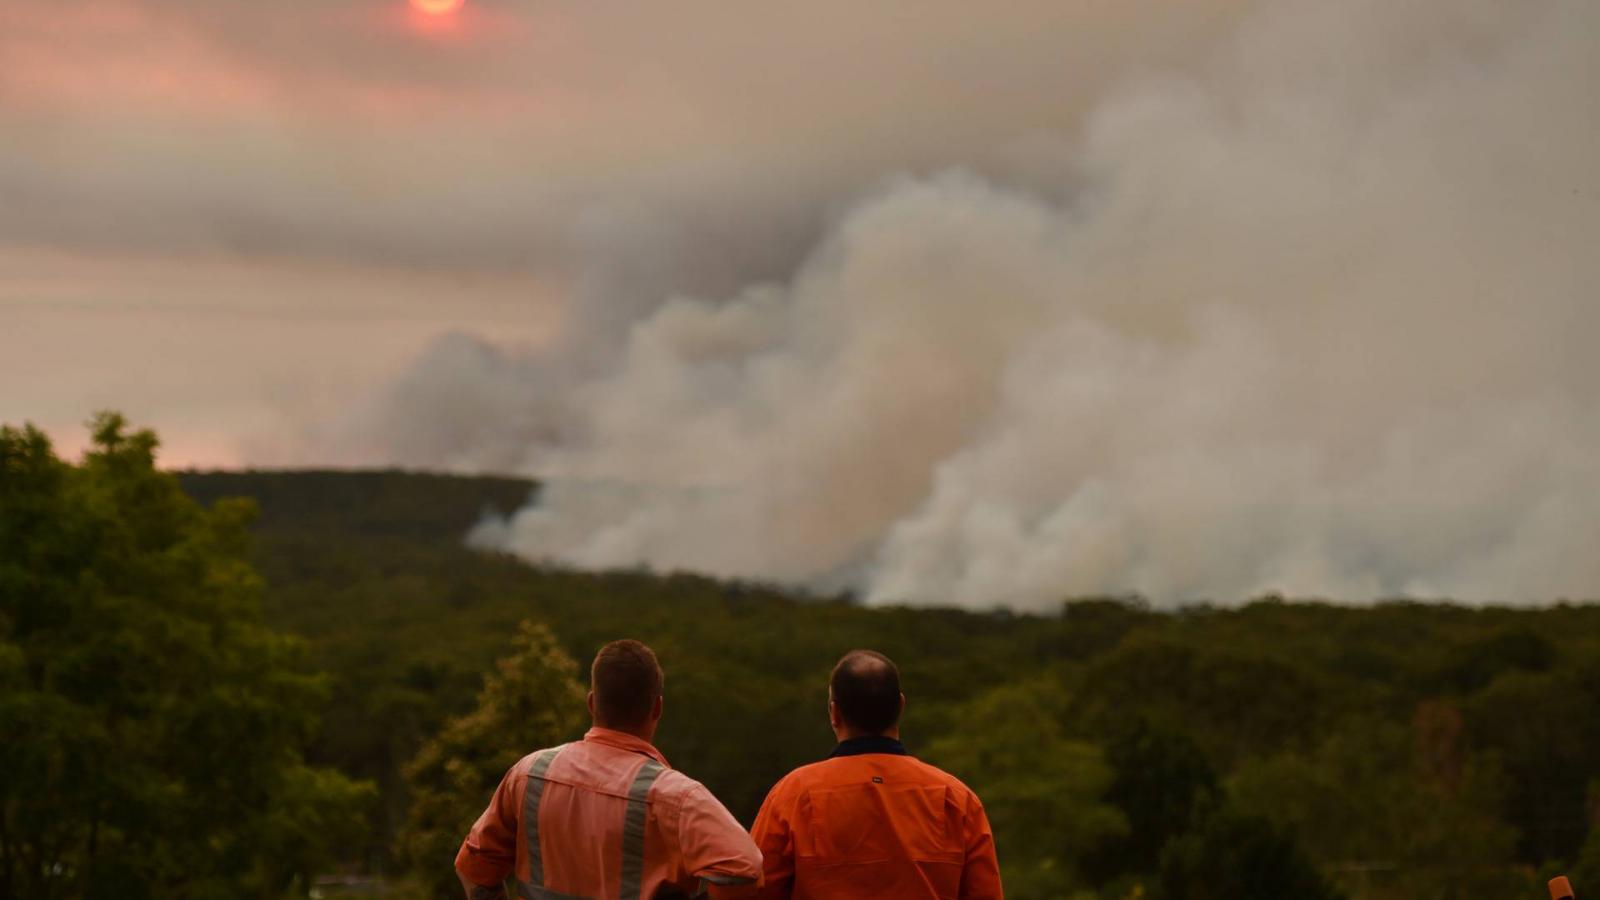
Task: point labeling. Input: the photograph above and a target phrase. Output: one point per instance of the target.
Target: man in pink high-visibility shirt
(606, 817)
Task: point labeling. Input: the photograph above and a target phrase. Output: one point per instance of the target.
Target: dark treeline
(1274, 749)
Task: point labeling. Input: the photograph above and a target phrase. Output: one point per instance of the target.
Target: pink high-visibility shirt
(607, 818)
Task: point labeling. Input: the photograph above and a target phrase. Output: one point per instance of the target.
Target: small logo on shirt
(877, 779)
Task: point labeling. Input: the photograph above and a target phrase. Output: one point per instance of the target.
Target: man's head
(625, 688)
(864, 696)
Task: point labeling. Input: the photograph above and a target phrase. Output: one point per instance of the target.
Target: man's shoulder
(797, 782)
(936, 774)
(904, 768)
(846, 768)
(674, 787)
(677, 798)
(811, 773)
(525, 764)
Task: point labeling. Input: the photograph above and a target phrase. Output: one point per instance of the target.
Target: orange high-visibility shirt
(606, 818)
(872, 821)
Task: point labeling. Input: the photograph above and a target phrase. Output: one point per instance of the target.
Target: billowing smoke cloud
(985, 304)
(1316, 321)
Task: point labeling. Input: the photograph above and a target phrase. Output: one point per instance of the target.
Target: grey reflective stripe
(706, 881)
(530, 816)
(633, 827)
(633, 830)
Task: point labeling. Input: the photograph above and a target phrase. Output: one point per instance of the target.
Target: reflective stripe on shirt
(530, 813)
(633, 830)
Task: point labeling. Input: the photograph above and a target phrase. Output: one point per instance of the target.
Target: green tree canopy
(1162, 783)
(1585, 871)
(153, 726)
(1042, 791)
(1234, 703)
(530, 701)
(1543, 727)
(1311, 714)
(1392, 813)
(1233, 855)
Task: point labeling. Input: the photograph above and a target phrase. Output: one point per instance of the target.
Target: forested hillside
(1404, 749)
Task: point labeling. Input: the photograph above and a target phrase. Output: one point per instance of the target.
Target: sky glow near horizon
(969, 305)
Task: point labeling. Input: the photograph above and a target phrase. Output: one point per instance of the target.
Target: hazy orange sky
(237, 221)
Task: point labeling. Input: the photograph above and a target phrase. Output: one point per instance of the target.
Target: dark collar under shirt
(874, 743)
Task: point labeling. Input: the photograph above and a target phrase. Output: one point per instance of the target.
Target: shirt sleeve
(489, 853)
(980, 877)
(715, 848)
(775, 839)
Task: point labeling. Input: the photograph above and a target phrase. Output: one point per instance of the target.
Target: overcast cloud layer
(354, 180)
(973, 304)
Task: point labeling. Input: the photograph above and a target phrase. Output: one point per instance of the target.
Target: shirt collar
(624, 741)
(874, 743)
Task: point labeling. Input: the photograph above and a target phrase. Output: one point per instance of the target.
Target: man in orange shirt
(606, 818)
(870, 820)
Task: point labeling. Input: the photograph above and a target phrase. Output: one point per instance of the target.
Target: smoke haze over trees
(1316, 319)
(1195, 300)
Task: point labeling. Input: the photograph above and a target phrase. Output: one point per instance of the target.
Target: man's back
(872, 821)
(605, 818)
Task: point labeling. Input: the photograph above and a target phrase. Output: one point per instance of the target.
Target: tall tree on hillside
(1043, 791)
(153, 726)
(1586, 868)
(1392, 814)
(1543, 728)
(1163, 784)
(1232, 855)
(531, 700)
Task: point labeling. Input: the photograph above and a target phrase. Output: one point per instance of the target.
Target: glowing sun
(436, 7)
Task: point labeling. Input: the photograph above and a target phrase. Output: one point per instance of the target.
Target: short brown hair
(865, 687)
(626, 680)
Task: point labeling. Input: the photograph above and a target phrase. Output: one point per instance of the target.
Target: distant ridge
(371, 503)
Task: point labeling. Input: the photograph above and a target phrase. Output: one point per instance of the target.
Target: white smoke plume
(1319, 319)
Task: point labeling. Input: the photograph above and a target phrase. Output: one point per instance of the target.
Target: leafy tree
(153, 726)
(1232, 855)
(1091, 625)
(1233, 704)
(1396, 817)
(1472, 666)
(531, 700)
(1162, 784)
(1585, 871)
(1043, 792)
(1543, 728)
